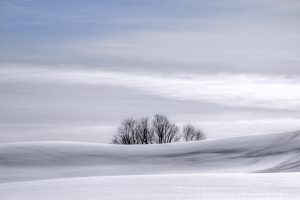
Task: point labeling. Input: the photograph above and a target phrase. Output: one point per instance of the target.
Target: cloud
(200, 60)
(241, 90)
(41, 132)
(223, 46)
(232, 128)
(193, 36)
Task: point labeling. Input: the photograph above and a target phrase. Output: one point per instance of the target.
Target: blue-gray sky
(72, 70)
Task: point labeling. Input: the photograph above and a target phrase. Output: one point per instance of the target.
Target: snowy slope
(161, 187)
(48, 160)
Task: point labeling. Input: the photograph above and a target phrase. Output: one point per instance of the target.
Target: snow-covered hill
(49, 160)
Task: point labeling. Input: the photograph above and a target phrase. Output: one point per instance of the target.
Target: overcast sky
(72, 70)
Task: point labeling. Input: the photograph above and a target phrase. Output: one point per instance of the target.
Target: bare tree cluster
(157, 131)
(190, 133)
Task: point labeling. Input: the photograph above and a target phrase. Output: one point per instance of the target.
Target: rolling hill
(50, 160)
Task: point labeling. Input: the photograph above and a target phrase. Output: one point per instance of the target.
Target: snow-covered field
(233, 168)
(203, 186)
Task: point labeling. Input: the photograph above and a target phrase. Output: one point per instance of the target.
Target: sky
(73, 70)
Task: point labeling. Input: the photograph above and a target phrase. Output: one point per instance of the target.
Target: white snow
(173, 187)
(212, 169)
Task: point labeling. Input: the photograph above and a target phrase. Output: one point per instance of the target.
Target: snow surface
(212, 169)
(173, 187)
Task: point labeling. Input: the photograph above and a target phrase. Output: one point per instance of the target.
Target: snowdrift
(47, 160)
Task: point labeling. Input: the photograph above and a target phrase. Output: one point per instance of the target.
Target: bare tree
(199, 135)
(190, 133)
(126, 133)
(164, 131)
(144, 131)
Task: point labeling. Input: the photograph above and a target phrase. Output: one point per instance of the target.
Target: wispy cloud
(233, 128)
(242, 48)
(245, 90)
(217, 36)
